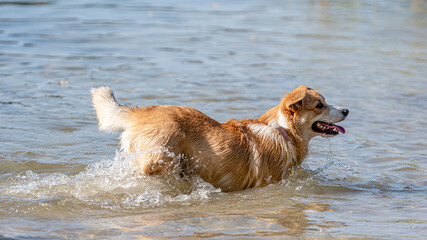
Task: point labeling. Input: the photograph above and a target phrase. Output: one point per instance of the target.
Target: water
(61, 178)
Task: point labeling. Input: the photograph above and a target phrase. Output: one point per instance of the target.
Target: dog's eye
(319, 105)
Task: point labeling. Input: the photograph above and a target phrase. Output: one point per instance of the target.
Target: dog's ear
(293, 100)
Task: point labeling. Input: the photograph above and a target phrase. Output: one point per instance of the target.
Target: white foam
(111, 184)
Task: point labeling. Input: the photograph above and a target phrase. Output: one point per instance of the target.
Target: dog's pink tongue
(339, 128)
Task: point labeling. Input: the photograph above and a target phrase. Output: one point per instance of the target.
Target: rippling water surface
(61, 178)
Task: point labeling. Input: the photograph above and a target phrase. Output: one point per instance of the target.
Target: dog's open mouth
(327, 128)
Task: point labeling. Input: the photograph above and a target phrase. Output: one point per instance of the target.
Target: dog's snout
(345, 112)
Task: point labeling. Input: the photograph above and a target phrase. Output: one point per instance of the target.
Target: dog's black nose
(345, 112)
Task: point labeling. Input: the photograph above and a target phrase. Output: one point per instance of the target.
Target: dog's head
(309, 115)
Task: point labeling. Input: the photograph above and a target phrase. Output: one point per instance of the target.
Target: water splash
(304, 178)
(111, 184)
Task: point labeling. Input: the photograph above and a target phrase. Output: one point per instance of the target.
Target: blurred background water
(61, 178)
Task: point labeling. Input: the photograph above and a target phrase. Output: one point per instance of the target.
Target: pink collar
(284, 133)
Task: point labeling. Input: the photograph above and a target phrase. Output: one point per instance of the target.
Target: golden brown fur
(233, 155)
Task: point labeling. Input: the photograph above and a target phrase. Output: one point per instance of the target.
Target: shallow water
(61, 178)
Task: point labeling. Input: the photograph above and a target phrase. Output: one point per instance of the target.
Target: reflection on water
(61, 178)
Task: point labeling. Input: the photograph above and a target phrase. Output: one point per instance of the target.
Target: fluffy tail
(111, 115)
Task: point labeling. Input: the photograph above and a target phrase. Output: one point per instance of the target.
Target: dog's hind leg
(154, 151)
(157, 160)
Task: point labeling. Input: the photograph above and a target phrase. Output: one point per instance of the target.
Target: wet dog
(234, 155)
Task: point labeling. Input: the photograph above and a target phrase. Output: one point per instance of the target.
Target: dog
(234, 155)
